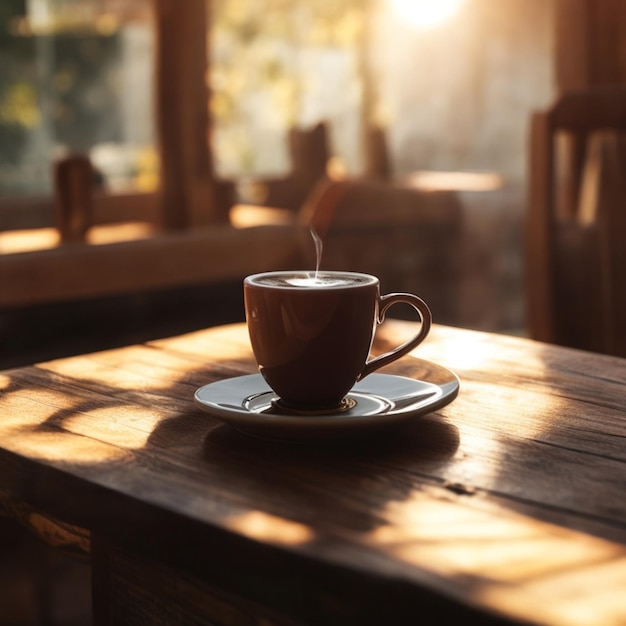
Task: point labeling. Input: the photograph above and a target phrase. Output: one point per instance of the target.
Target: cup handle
(426, 319)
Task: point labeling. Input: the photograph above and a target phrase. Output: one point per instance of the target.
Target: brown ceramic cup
(311, 336)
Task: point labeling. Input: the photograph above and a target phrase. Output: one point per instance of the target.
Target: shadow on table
(344, 481)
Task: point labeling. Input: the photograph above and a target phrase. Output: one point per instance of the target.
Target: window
(279, 65)
(452, 89)
(76, 77)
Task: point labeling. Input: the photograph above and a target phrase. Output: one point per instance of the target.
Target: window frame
(187, 193)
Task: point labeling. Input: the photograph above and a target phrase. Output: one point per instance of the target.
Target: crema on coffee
(304, 280)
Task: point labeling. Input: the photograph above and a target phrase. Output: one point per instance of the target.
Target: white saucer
(382, 401)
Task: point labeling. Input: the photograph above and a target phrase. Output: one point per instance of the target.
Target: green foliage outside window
(262, 69)
(19, 112)
(60, 89)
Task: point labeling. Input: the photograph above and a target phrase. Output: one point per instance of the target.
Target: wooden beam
(18, 213)
(204, 255)
(187, 181)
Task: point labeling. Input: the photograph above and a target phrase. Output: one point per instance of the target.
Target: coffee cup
(311, 333)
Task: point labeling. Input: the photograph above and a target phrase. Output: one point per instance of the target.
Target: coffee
(311, 333)
(306, 280)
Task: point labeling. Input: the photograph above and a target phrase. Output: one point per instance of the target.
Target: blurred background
(451, 83)
(153, 152)
(431, 96)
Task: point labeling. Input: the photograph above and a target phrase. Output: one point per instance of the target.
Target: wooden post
(590, 43)
(73, 193)
(539, 231)
(187, 181)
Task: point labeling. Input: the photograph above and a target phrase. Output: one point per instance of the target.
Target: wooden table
(507, 505)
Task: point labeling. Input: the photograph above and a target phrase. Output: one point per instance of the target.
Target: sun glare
(425, 13)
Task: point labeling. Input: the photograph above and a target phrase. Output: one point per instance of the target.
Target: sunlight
(125, 426)
(266, 527)
(425, 13)
(515, 562)
(26, 408)
(56, 445)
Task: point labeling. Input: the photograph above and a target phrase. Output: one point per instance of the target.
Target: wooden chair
(576, 222)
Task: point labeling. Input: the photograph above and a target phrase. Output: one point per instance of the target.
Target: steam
(319, 211)
(319, 246)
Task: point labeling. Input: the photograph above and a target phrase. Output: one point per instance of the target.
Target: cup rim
(370, 279)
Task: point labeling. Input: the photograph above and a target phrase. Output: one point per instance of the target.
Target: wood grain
(508, 505)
